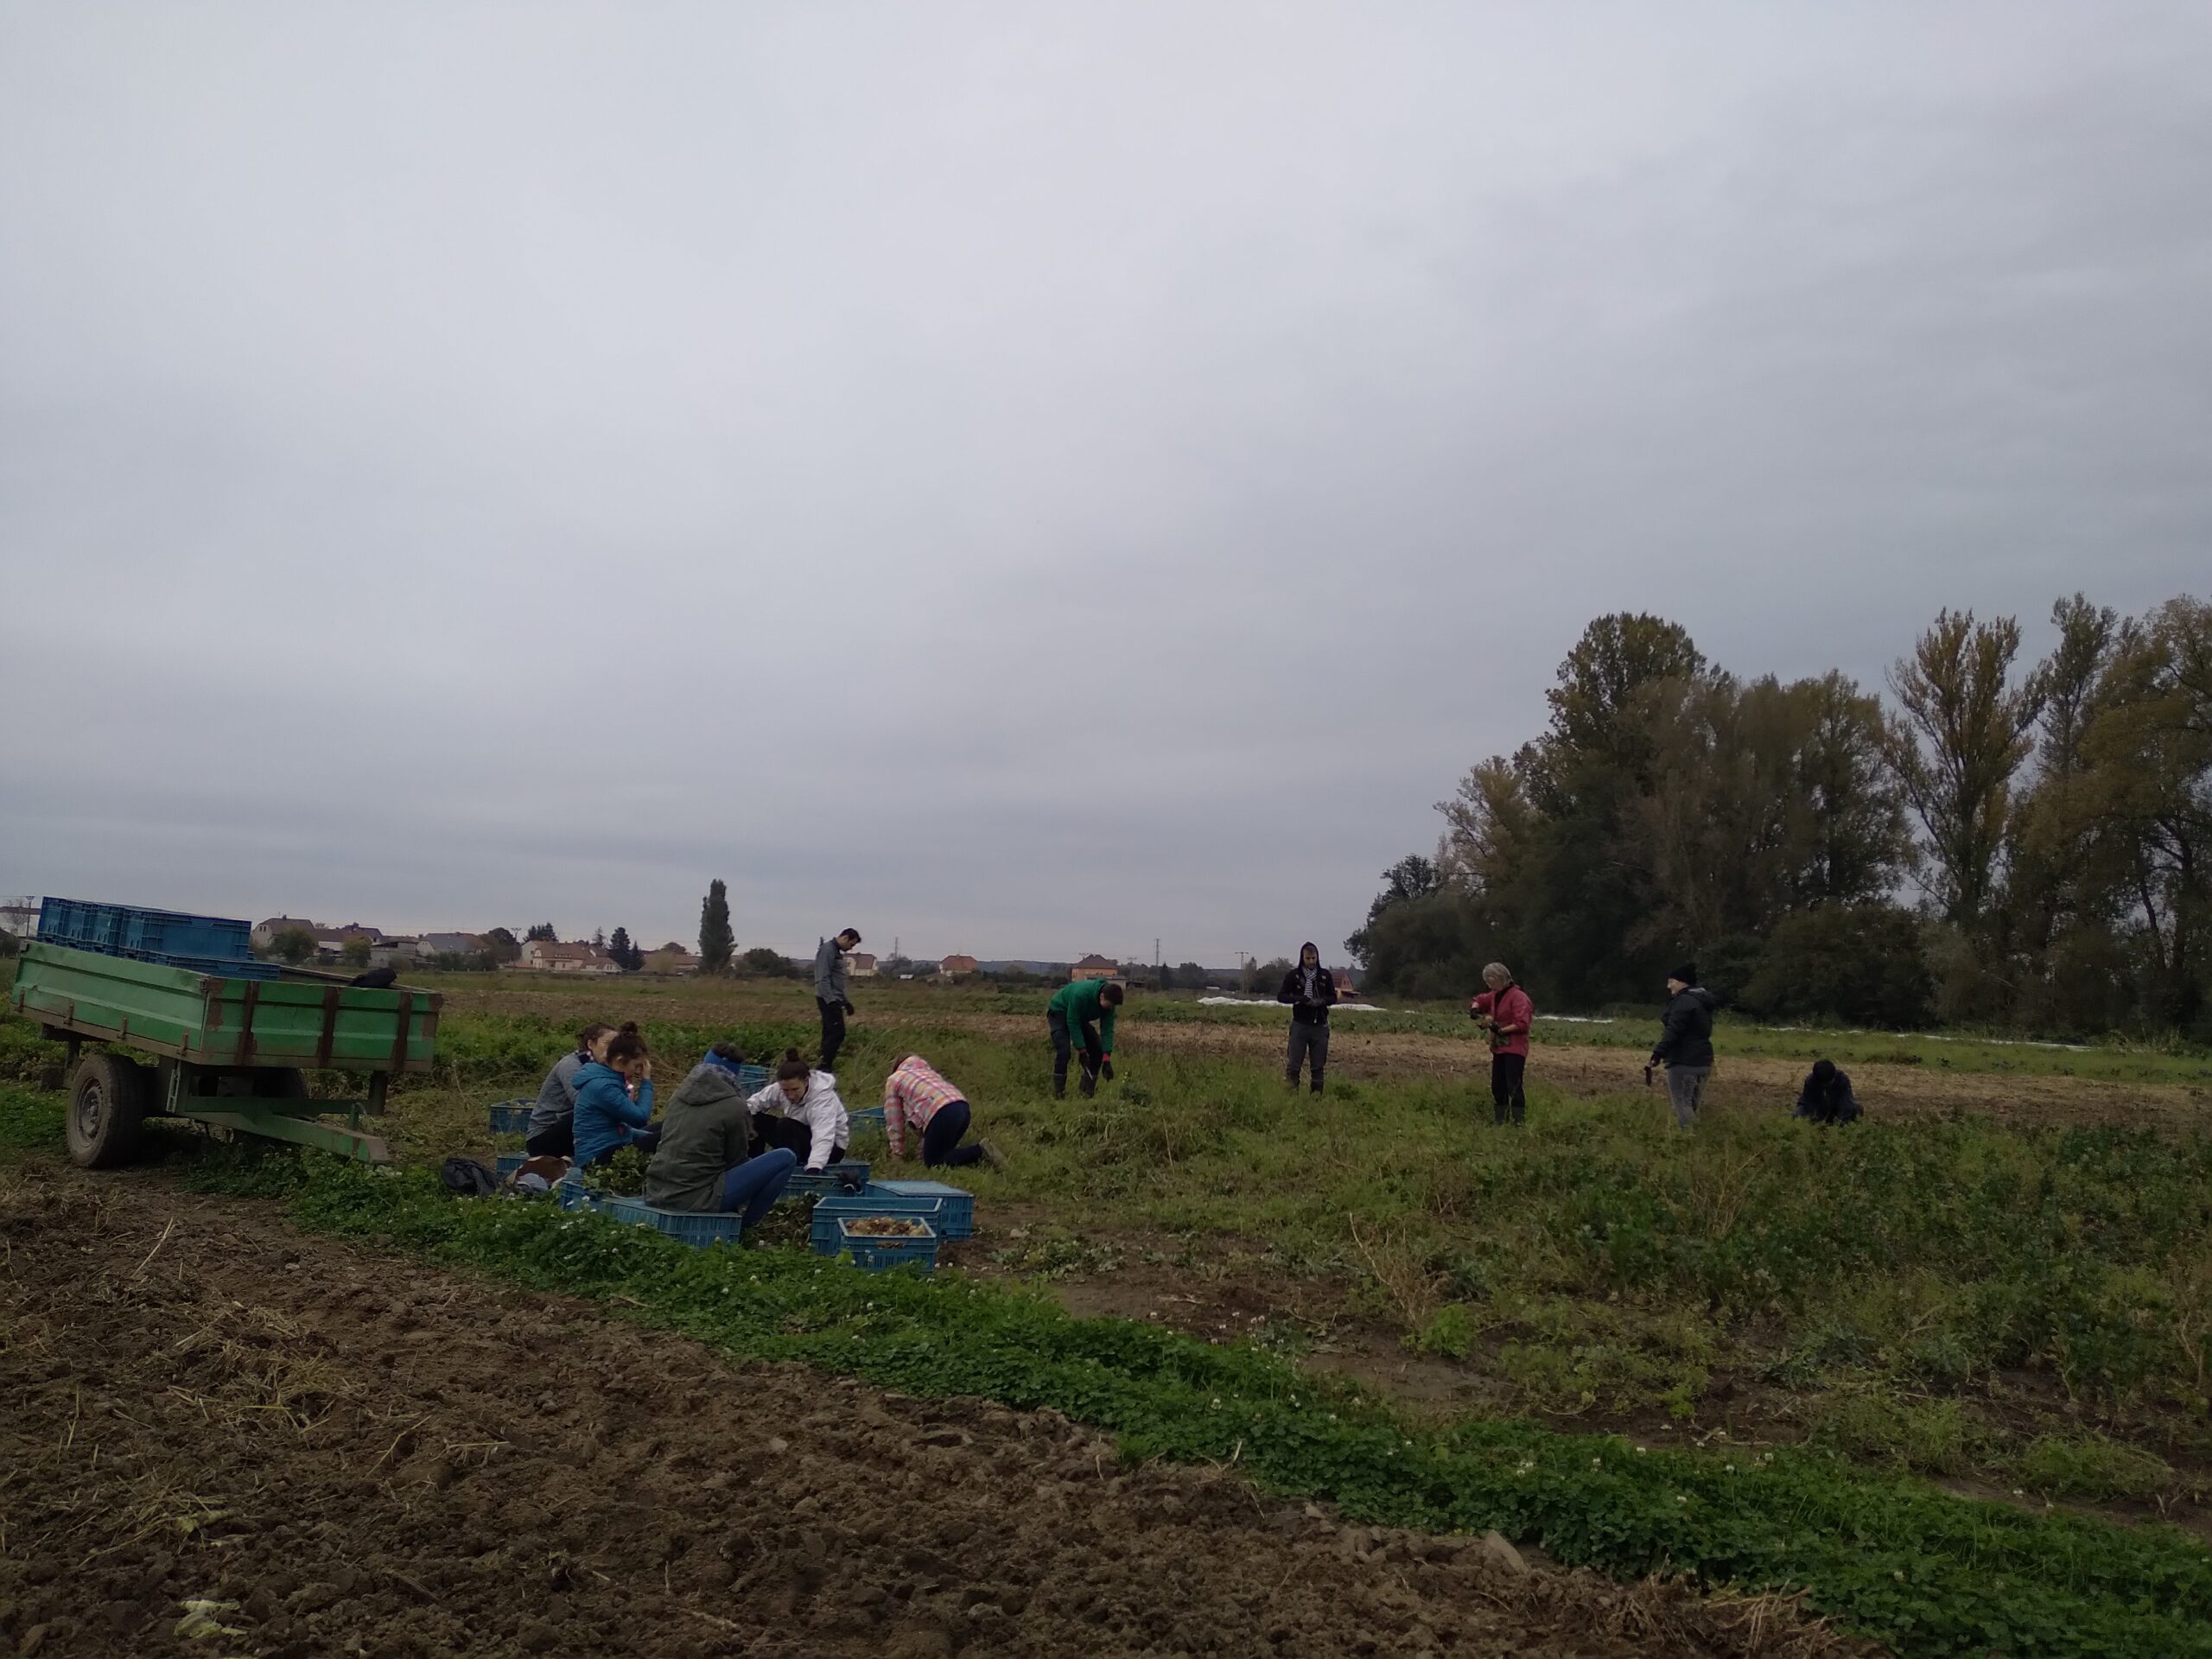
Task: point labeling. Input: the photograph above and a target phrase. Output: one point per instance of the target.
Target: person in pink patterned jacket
(915, 1095)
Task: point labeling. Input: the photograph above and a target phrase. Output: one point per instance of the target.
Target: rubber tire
(280, 1082)
(107, 1110)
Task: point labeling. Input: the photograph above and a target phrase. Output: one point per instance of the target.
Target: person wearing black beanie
(1685, 1045)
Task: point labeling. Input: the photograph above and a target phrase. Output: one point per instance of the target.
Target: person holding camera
(830, 993)
(1506, 1013)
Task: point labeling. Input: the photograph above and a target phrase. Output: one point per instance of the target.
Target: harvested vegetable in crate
(887, 1227)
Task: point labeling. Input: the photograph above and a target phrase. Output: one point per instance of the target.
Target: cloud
(1027, 481)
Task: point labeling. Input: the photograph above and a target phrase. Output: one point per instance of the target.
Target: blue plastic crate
(699, 1229)
(212, 967)
(959, 1205)
(872, 1115)
(153, 935)
(881, 1255)
(510, 1116)
(753, 1078)
(821, 1183)
(828, 1212)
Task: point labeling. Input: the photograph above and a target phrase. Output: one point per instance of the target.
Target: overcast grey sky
(1027, 479)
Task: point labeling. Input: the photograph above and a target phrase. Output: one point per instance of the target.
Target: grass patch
(2088, 1466)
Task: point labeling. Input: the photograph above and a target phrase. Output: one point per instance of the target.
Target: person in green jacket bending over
(1083, 1009)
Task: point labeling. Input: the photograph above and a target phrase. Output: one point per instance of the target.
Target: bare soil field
(227, 1438)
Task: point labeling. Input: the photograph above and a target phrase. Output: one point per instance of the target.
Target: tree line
(1993, 842)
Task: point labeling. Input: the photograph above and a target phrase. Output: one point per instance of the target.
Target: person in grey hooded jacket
(552, 1119)
(1685, 1045)
(700, 1165)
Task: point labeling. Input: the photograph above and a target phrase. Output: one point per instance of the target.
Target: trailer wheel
(280, 1082)
(107, 1106)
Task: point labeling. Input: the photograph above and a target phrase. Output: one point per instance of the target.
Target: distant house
(549, 956)
(671, 958)
(263, 936)
(953, 967)
(450, 944)
(858, 964)
(1095, 967)
(395, 953)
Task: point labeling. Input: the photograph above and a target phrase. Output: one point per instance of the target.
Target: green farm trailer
(231, 1051)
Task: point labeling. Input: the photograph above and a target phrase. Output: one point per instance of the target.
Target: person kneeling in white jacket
(801, 1112)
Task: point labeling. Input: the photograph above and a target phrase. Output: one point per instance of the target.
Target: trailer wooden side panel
(212, 1020)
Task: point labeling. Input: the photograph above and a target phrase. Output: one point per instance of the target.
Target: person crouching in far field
(1082, 1011)
(1826, 1097)
(1311, 990)
(916, 1097)
(1506, 1013)
(801, 1109)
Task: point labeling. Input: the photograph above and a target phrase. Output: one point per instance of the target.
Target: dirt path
(348, 1453)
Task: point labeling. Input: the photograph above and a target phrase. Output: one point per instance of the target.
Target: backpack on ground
(464, 1177)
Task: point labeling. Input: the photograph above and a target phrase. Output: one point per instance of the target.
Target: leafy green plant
(624, 1174)
(1450, 1334)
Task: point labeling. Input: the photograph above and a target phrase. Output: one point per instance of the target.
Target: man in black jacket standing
(1311, 990)
(1685, 1045)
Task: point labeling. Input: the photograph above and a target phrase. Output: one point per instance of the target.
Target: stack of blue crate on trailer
(203, 945)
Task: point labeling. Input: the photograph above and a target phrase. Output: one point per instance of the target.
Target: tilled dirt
(335, 1453)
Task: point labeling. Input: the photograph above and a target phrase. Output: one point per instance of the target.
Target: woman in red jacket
(1505, 1013)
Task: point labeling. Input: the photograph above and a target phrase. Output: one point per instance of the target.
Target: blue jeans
(757, 1183)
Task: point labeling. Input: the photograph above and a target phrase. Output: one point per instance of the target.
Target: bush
(1861, 964)
(768, 963)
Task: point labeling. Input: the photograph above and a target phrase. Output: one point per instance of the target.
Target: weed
(2089, 1466)
(1449, 1333)
(1929, 1437)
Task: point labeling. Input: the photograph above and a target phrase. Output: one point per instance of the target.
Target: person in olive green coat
(1083, 1010)
(701, 1166)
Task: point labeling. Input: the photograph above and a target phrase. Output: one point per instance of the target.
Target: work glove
(850, 1008)
(1106, 1069)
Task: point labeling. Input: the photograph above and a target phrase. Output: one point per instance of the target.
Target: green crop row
(1886, 1555)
